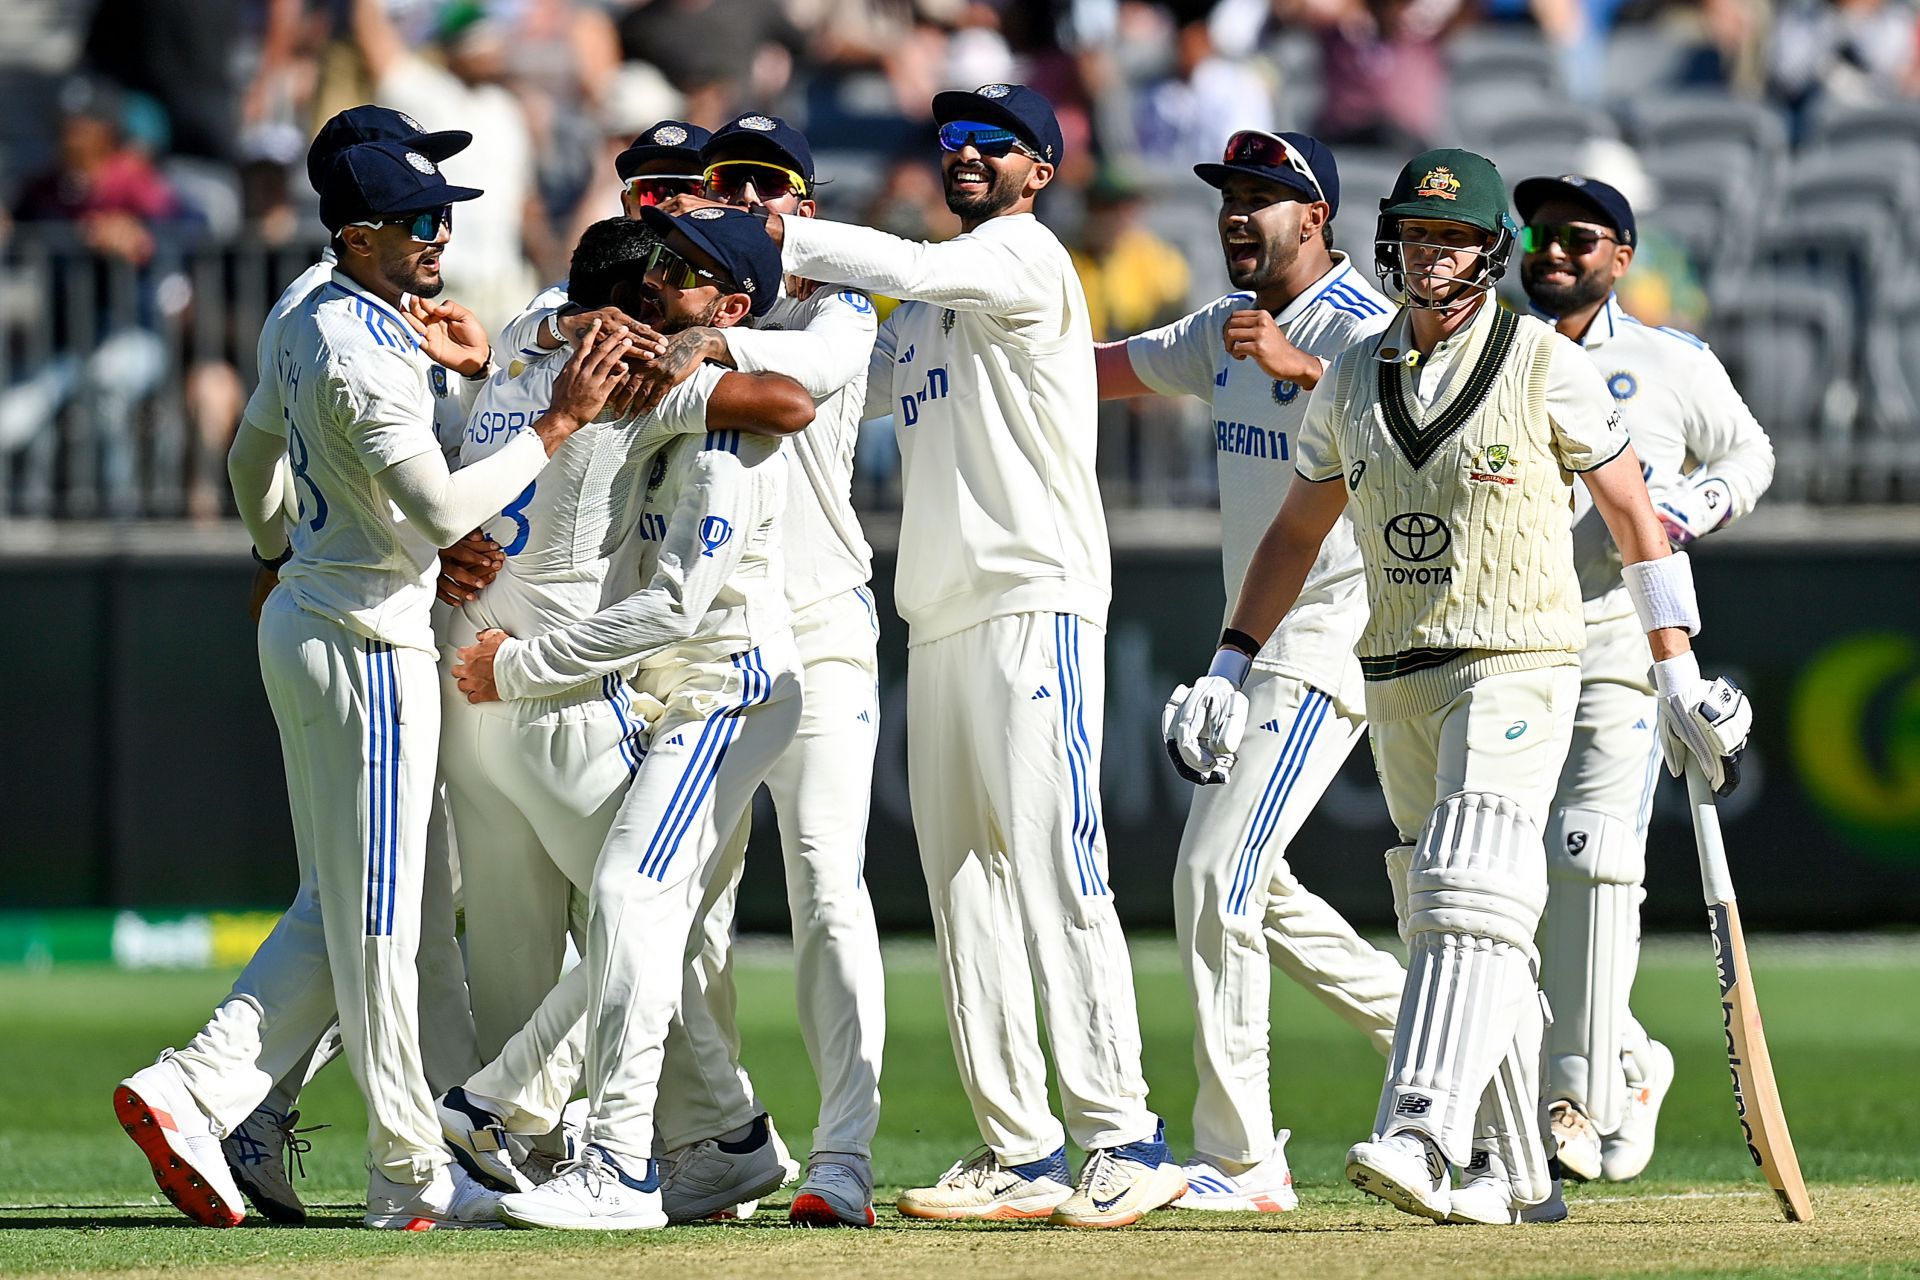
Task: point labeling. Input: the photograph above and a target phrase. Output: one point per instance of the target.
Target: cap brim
(746, 142)
(663, 222)
(958, 104)
(439, 146)
(1216, 175)
(433, 198)
(1534, 192)
(628, 162)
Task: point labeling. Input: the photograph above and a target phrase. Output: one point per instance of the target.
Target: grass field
(1843, 1018)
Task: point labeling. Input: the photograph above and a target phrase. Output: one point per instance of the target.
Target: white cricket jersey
(822, 343)
(349, 389)
(561, 533)
(1688, 424)
(700, 569)
(452, 394)
(1256, 421)
(988, 370)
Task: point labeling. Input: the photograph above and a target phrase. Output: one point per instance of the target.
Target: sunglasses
(422, 228)
(728, 180)
(1578, 241)
(1267, 151)
(677, 273)
(988, 139)
(649, 189)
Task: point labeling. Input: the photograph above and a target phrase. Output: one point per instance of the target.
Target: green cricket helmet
(1454, 185)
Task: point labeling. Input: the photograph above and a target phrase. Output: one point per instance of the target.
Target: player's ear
(1313, 219)
(1039, 176)
(1622, 259)
(356, 240)
(807, 208)
(734, 309)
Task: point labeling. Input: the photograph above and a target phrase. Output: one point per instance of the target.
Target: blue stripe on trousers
(1273, 801)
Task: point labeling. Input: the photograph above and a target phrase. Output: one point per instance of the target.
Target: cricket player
(1004, 584)
(1254, 356)
(1707, 462)
(708, 632)
(822, 785)
(1456, 433)
(347, 658)
(535, 783)
(256, 1148)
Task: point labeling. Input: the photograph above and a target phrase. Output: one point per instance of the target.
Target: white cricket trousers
(723, 726)
(359, 727)
(1239, 912)
(1596, 868)
(1003, 767)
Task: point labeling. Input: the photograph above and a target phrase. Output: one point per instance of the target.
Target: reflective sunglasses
(422, 228)
(1577, 241)
(1268, 151)
(988, 139)
(728, 180)
(676, 272)
(649, 189)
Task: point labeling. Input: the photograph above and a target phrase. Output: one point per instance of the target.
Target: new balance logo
(1414, 1106)
(1271, 726)
(1044, 692)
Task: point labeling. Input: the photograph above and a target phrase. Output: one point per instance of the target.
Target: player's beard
(404, 270)
(1273, 262)
(1562, 299)
(999, 196)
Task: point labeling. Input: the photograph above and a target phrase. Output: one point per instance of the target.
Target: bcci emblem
(995, 90)
(946, 320)
(1623, 385)
(420, 162)
(759, 124)
(658, 473)
(1285, 391)
(707, 214)
(669, 135)
(1439, 184)
(437, 379)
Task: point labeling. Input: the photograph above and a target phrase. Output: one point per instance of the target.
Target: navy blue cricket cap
(735, 239)
(1025, 111)
(677, 140)
(1608, 203)
(377, 180)
(377, 124)
(762, 137)
(1254, 153)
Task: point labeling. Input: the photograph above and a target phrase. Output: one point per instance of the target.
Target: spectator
(1133, 279)
(102, 313)
(726, 56)
(1185, 119)
(488, 267)
(1843, 50)
(1384, 68)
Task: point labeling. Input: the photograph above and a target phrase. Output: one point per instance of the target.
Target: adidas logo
(1044, 692)
(864, 718)
(1639, 724)
(1271, 726)
(906, 357)
(1220, 378)
(676, 741)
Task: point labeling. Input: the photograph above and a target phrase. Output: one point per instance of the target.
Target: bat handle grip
(1716, 882)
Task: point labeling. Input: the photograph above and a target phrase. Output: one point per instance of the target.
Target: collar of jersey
(1396, 339)
(345, 284)
(1311, 294)
(1604, 326)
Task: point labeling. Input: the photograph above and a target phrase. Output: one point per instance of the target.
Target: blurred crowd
(152, 151)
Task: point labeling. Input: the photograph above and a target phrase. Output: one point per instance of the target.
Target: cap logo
(706, 213)
(420, 162)
(669, 135)
(1573, 180)
(409, 121)
(995, 90)
(1439, 184)
(758, 123)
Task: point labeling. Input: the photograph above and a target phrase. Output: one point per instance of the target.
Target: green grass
(1843, 1020)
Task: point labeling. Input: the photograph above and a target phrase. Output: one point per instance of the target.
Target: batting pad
(1475, 889)
(1511, 1113)
(1590, 950)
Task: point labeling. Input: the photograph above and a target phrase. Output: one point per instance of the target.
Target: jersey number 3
(516, 511)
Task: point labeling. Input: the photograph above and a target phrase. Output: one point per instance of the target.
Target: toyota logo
(1418, 536)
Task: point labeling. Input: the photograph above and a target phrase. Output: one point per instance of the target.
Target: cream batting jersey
(1256, 423)
(988, 371)
(701, 572)
(352, 393)
(561, 533)
(1688, 424)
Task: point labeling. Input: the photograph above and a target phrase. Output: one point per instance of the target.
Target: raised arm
(1114, 368)
(969, 273)
(824, 357)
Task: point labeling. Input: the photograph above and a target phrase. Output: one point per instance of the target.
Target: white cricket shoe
(478, 1140)
(1485, 1197)
(707, 1177)
(1265, 1188)
(164, 1121)
(1406, 1170)
(838, 1192)
(539, 1164)
(981, 1187)
(1121, 1185)
(1624, 1154)
(256, 1153)
(1576, 1142)
(452, 1201)
(592, 1194)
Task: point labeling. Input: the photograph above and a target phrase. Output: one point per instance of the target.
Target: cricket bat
(1756, 1095)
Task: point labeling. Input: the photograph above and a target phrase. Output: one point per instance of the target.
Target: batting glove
(1706, 719)
(1202, 725)
(1690, 511)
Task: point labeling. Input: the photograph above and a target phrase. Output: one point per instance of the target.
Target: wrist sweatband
(276, 562)
(1231, 639)
(1231, 665)
(553, 329)
(1676, 674)
(1662, 592)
